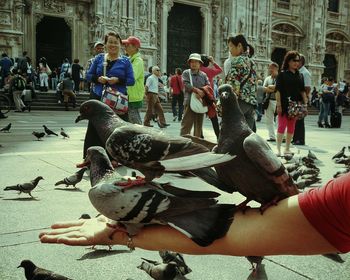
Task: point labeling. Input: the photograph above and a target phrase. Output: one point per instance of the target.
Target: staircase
(47, 101)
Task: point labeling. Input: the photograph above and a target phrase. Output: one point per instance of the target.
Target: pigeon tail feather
(205, 225)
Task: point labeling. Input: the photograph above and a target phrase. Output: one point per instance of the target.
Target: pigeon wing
(260, 153)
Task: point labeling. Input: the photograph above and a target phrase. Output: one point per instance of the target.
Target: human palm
(81, 233)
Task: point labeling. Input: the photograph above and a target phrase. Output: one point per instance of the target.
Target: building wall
(306, 26)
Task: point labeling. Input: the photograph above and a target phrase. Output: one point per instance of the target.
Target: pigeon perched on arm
(64, 134)
(49, 131)
(255, 172)
(6, 128)
(38, 135)
(25, 187)
(195, 213)
(73, 179)
(32, 272)
(143, 148)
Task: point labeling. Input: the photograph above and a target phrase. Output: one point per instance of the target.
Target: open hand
(82, 233)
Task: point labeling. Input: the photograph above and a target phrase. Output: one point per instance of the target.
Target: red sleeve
(328, 211)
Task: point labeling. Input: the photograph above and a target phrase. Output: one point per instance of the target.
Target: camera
(205, 60)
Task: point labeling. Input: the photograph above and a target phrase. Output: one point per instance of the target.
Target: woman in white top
(45, 71)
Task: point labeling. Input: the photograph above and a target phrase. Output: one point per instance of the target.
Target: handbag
(266, 102)
(196, 104)
(112, 97)
(296, 110)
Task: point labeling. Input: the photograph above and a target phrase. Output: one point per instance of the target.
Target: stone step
(48, 101)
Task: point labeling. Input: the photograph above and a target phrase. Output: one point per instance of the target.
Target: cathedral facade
(171, 29)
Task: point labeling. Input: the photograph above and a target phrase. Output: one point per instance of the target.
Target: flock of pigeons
(134, 202)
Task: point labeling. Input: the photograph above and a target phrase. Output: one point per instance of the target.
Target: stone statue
(224, 27)
(113, 9)
(241, 25)
(143, 8)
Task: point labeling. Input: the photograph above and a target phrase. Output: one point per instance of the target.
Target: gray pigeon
(340, 154)
(49, 131)
(158, 271)
(307, 182)
(344, 160)
(143, 148)
(341, 172)
(255, 172)
(64, 134)
(312, 155)
(32, 272)
(168, 256)
(195, 213)
(25, 187)
(73, 179)
(6, 128)
(38, 135)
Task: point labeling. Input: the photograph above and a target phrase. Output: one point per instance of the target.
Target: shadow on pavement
(69, 189)
(96, 254)
(23, 199)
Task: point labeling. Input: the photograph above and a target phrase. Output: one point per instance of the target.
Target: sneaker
(163, 125)
(2, 116)
(271, 140)
(148, 125)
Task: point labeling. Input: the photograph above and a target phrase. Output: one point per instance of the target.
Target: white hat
(195, 56)
(98, 43)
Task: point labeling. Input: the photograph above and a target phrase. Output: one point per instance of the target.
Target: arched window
(333, 6)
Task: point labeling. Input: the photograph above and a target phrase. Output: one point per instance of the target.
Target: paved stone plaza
(22, 158)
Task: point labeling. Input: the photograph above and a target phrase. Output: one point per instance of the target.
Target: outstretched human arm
(282, 229)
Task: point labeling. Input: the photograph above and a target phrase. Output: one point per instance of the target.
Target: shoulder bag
(112, 97)
(196, 104)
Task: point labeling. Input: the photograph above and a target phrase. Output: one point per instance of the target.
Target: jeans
(324, 112)
(134, 115)
(178, 99)
(259, 111)
(53, 83)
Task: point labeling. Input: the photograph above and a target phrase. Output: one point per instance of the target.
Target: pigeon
(158, 271)
(143, 148)
(304, 183)
(344, 160)
(6, 128)
(195, 213)
(255, 260)
(341, 172)
(49, 131)
(340, 154)
(255, 172)
(25, 187)
(85, 216)
(32, 272)
(312, 155)
(168, 256)
(38, 135)
(258, 274)
(64, 134)
(73, 179)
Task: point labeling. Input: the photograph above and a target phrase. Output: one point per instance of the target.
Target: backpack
(20, 83)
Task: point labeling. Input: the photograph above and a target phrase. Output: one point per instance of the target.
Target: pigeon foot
(243, 206)
(139, 181)
(267, 205)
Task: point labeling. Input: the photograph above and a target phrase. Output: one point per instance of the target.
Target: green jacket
(137, 91)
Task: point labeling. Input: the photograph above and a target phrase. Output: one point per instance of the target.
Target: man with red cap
(137, 91)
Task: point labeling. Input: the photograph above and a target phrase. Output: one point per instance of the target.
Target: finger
(68, 224)
(77, 241)
(60, 231)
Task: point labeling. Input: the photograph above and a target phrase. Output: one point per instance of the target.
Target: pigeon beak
(78, 119)
(19, 266)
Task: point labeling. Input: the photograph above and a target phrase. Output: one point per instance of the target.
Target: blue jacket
(122, 69)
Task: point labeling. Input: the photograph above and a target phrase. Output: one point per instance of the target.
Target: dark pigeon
(344, 160)
(341, 172)
(73, 179)
(303, 183)
(312, 155)
(64, 134)
(49, 131)
(38, 135)
(6, 128)
(25, 187)
(255, 261)
(340, 154)
(32, 272)
(159, 271)
(195, 213)
(85, 216)
(143, 148)
(168, 256)
(255, 172)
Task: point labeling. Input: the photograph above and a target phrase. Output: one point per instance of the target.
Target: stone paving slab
(22, 158)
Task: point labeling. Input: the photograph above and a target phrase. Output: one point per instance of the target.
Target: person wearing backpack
(17, 85)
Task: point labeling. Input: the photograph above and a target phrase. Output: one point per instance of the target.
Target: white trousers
(44, 80)
(269, 119)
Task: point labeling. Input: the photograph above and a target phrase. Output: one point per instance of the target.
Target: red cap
(132, 40)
